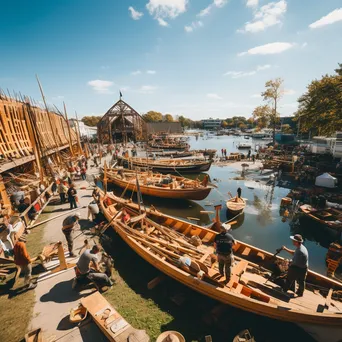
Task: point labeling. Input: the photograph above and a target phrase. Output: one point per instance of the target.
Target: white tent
(326, 181)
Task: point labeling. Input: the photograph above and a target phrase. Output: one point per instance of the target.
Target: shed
(326, 180)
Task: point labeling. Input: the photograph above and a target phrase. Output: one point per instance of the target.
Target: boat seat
(177, 226)
(207, 237)
(246, 251)
(261, 255)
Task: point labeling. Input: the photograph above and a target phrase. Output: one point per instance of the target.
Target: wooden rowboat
(162, 240)
(329, 217)
(236, 205)
(158, 185)
(179, 166)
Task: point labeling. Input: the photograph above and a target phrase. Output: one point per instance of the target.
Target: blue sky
(198, 58)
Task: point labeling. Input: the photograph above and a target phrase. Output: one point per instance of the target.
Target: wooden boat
(244, 146)
(329, 217)
(168, 165)
(173, 154)
(158, 185)
(161, 240)
(236, 205)
(169, 146)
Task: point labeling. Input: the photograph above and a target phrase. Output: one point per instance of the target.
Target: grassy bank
(16, 310)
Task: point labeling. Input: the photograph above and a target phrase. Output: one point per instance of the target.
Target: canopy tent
(325, 180)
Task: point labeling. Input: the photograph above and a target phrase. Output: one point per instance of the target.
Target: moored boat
(166, 242)
(236, 205)
(158, 185)
(244, 146)
(178, 166)
(329, 217)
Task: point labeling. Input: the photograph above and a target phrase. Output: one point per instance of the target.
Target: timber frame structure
(121, 123)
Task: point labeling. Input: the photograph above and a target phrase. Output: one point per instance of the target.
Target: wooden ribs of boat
(329, 217)
(168, 165)
(236, 205)
(151, 184)
(161, 240)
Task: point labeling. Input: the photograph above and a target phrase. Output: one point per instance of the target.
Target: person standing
(72, 193)
(223, 245)
(24, 263)
(249, 155)
(69, 223)
(84, 172)
(298, 266)
(239, 191)
(62, 189)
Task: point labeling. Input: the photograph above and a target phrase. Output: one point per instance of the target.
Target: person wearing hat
(223, 245)
(24, 262)
(69, 224)
(298, 267)
(170, 336)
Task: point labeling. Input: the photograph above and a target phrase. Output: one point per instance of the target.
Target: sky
(197, 58)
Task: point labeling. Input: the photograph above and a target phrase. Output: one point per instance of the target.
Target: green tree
(153, 116)
(224, 124)
(273, 93)
(91, 120)
(262, 115)
(168, 118)
(320, 108)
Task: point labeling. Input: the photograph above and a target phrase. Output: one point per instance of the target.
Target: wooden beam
(156, 281)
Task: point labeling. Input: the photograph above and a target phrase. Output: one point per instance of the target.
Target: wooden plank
(246, 251)
(328, 298)
(156, 281)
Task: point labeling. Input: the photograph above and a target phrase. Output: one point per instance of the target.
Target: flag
(120, 95)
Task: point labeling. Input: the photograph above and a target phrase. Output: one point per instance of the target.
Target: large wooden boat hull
(170, 147)
(168, 168)
(324, 320)
(236, 209)
(189, 194)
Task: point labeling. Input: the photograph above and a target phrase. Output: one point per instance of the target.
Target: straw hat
(297, 238)
(170, 336)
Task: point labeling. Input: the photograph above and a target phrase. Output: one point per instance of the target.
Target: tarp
(325, 180)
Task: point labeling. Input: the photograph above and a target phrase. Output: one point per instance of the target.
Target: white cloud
(220, 3)
(289, 92)
(162, 22)
(267, 16)
(135, 14)
(329, 19)
(101, 86)
(239, 74)
(268, 49)
(166, 8)
(125, 88)
(205, 11)
(305, 44)
(150, 72)
(147, 89)
(263, 67)
(252, 3)
(214, 96)
(135, 73)
(193, 25)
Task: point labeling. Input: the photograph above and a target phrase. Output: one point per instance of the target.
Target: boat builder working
(72, 194)
(69, 223)
(23, 261)
(298, 267)
(223, 245)
(83, 269)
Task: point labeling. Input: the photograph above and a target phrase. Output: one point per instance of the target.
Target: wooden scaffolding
(121, 123)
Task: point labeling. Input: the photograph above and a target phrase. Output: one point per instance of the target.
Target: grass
(16, 311)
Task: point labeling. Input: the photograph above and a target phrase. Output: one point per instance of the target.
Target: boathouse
(121, 123)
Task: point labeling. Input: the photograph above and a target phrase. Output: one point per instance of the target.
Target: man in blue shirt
(223, 245)
(298, 266)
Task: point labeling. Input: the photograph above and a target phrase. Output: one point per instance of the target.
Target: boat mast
(69, 130)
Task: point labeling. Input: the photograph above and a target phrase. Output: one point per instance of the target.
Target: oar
(273, 256)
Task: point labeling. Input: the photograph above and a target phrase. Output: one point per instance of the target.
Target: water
(261, 225)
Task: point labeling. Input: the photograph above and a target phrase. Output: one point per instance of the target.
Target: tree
(224, 124)
(320, 108)
(91, 120)
(168, 118)
(273, 93)
(286, 128)
(262, 115)
(153, 116)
